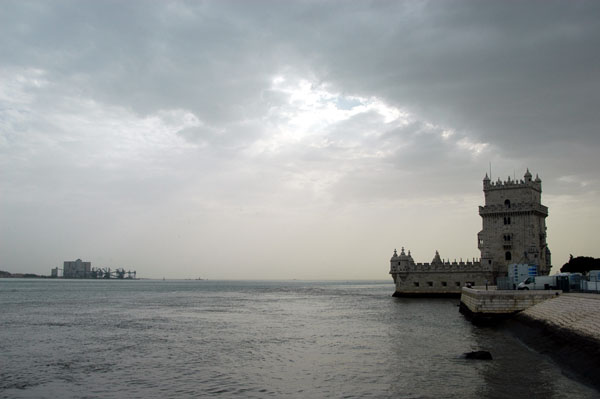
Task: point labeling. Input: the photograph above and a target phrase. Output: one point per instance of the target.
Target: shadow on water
(578, 356)
(514, 370)
(429, 337)
(518, 371)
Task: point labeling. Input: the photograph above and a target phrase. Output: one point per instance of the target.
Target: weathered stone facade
(438, 278)
(514, 225)
(514, 231)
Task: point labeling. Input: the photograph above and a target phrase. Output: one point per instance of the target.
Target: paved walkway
(576, 312)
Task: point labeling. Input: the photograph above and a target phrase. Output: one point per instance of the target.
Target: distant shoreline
(4, 274)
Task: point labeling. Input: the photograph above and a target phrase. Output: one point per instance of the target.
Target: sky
(289, 139)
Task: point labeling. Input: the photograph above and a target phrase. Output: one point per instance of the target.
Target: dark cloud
(500, 71)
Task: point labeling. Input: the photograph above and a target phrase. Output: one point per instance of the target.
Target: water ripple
(146, 339)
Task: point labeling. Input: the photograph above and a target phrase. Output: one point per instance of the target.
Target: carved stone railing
(514, 208)
(439, 267)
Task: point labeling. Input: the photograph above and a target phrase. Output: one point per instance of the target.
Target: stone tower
(514, 225)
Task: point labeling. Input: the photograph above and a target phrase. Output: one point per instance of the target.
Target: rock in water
(478, 355)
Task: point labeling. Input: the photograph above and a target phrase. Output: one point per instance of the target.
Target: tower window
(507, 220)
(507, 203)
(507, 255)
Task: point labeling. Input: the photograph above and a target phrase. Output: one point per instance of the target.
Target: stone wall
(492, 302)
(432, 283)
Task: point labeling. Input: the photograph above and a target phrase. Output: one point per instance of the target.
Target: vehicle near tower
(561, 281)
(539, 283)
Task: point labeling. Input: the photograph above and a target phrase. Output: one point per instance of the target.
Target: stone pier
(483, 304)
(576, 313)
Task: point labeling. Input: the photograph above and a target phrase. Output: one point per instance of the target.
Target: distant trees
(580, 264)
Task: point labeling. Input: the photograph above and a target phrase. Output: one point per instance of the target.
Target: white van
(538, 283)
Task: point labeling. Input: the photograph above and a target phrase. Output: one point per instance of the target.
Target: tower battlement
(404, 263)
(526, 182)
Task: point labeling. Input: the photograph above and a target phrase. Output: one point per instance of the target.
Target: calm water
(182, 339)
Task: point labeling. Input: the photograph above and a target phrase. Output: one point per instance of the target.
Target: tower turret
(401, 263)
(436, 258)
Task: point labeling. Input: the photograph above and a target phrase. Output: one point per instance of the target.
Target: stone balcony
(501, 209)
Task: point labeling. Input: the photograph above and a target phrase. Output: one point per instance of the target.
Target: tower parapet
(405, 264)
(509, 183)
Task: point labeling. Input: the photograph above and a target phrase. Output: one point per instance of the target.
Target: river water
(293, 339)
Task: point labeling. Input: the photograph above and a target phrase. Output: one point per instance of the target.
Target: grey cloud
(501, 71)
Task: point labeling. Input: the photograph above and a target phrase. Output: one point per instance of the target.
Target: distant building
(77, 269)
(514, 231)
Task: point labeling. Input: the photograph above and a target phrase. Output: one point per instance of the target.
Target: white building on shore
(77, 269)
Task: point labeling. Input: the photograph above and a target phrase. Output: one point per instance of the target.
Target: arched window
(507, 255)
(507, 203)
